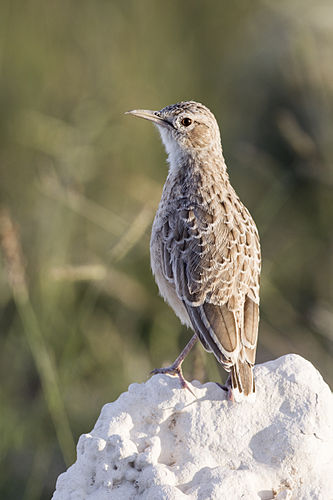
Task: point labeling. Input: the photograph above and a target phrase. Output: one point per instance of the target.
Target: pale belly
(166, 288)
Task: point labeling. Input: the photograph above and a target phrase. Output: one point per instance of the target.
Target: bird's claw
(175, 371)
(228, 389)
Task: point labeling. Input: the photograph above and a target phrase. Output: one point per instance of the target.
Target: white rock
(158, 442)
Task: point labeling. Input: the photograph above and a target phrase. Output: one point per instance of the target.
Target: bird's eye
(186, 122)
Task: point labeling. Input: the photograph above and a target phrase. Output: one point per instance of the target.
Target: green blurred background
(80, 316)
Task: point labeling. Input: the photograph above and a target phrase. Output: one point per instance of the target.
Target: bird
(205, 248)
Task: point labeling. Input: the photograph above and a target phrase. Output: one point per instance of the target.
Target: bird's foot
(175, 371)
(228, 389)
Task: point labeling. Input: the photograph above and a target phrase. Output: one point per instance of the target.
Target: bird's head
(186, 128)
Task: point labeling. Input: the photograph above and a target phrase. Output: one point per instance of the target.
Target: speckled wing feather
(212, 256)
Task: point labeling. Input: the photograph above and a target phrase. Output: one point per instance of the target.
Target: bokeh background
(80, 317)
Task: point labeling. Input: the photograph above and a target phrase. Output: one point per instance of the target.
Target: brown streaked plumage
(205, 251)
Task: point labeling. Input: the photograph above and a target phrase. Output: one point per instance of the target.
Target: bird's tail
(242, 380)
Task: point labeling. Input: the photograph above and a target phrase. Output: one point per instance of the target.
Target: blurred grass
(80, 183)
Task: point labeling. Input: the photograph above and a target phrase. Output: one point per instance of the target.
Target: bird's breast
(166, 287)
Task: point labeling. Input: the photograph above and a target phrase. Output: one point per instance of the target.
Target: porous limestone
(157, 441)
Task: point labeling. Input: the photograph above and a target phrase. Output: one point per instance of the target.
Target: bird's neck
(188, 172)
(195, 159)
(179, 156)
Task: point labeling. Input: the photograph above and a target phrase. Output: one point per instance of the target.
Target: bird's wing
(212, 256)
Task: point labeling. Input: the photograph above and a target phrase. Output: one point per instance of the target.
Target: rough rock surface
(157, 442)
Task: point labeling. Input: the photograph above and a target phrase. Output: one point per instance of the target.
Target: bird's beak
(150, 115)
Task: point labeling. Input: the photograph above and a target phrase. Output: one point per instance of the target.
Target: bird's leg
(176, 367)
(227, 387)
